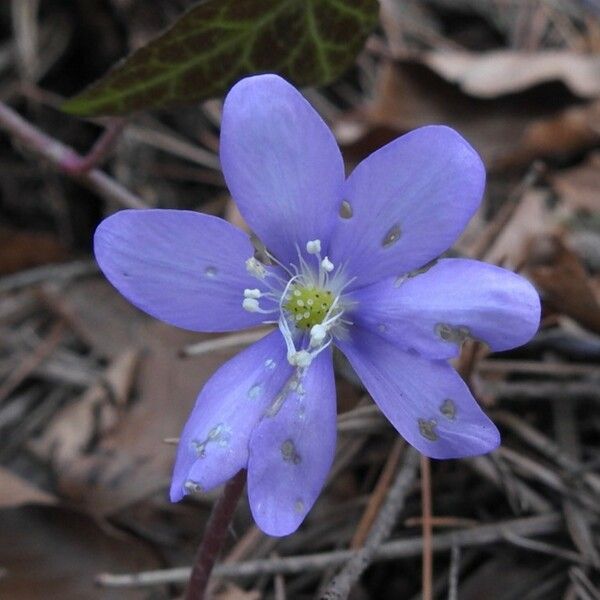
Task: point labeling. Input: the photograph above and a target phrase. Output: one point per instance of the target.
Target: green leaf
(310, 42)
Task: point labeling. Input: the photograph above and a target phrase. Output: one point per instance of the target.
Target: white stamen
(252, 293)
(301, 359)
(327, 265)
(317, 335)
(256, 268)
(251, 305)
(313, 247)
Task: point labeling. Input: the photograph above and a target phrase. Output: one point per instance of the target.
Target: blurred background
(92, 392)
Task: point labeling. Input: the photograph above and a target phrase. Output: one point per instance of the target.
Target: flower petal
(426, 401)
(434, 312)
(409, 202)
(214, 443)
(182, 267)
(281, 163)
(291, 452)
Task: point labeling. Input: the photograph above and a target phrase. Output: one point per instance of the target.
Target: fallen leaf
(509, 132)
(131, 461)
(531, 217)
(579, 187)
(51, 552)
(491, 74)
(15, 491)
(563, 281)
(25, 249)
(72, 430)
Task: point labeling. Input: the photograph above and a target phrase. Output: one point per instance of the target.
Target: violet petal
(214, 443)
(409, 202)
(182, 267)
(292, 451)
(434, 312)
(426, 401)
(281, 164)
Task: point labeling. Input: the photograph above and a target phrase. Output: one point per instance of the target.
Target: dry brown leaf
(233, 592)
(509, 132)
(579, 187)
(531, 217)
(491, 74)
(563, 281)
(74, 428)
(25, 249)
(15, 491)
(132, 461)
(571, 131)
(53, 552)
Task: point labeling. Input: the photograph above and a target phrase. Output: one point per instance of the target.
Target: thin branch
(59, 155)
(404, 548)
(76, 165)
(224, 342)
(58, 273)
(214, 536)
(454, 573)
(378, 496)
(340, 586)
(427, 560)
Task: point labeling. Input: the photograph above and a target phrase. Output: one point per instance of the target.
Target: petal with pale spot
(214, 443)
(281, 163)
(409, 200)
(182, 267)
(292, 450)
(434, 312)
(425, 400)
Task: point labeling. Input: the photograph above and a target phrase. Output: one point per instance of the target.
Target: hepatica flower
(348, 263)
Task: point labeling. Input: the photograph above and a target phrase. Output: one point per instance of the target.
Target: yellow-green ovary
(308, 306)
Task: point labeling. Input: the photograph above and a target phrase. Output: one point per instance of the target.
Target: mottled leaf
(310, 42)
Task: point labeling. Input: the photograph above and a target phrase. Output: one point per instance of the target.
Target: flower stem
(75, 165)
(214, 536)
(61, 157)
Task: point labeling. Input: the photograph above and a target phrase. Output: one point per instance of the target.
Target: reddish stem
(58, 154)
(214, 536)
(73, 164)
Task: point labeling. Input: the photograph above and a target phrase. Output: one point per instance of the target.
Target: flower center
(307, 301)
(308, 306)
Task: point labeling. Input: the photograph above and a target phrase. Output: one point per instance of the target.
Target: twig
(31, 362)
(214, 536)
(292, 565)
(58, 154)
(76, 165)
(54, 273)
(544, 548)
(224, 342)
(340, 586)
(279, 585)
(427, 560)
(493, 229)
(541, 390)
(378, 496)
(454, 573)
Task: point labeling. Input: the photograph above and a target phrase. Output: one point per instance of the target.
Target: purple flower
(346, 267)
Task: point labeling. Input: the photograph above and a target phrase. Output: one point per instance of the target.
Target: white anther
(252, 293)
(313, 247)
(301, 358)
(327, 265)
(254, 267)
(317, 335)
(251, 305)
